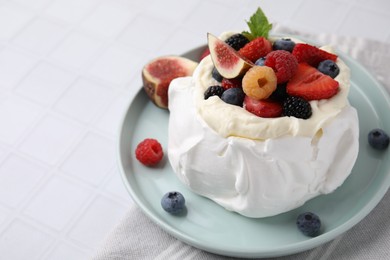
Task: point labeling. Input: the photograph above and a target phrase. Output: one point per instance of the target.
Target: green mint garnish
(258, 25)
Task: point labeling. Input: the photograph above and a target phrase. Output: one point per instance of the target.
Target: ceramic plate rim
(285, 250)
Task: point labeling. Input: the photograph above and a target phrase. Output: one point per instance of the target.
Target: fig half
(158, 74)
(229, 63)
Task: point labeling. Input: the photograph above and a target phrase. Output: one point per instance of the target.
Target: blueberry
(284, 44)
(378, 139)
(173, 202)
(329, 67)
(280, 93)
(233, 96)
(309, 224)
(215, 74)
(260, 62)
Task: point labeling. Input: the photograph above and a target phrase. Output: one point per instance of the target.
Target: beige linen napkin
(136, 237)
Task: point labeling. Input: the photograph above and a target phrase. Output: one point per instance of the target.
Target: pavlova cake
(263, 124)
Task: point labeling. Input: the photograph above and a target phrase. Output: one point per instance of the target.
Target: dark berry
(280, 93)
(233, 96)
(284, 44)
(215, 74)
(260, 62)
(237, 41)
(309, 224)
(297, 107)
(173, 202)
(329, 67)
(378, 139)
(213, 91)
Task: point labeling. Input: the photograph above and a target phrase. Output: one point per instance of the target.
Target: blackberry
(213, 91)
(297, 107)
(215, 74)
(237, 41)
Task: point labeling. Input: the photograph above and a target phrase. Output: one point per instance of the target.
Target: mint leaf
(258, 26)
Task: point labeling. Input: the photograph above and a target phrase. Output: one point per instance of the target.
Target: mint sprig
(258, 25)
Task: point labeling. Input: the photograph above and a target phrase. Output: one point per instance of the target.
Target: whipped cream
(259, 167)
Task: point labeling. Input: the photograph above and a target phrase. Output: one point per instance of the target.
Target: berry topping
(283, 63)
(256, 49)
(259, 82)
(227, 60)
(215, 74)
(173, 202)
(329, 67)
(378, 139)
(280, 93)
(284, 44)
(231, 83)
(233, 96)
(237, 41)
(311, 54)
(213, 91)
(296, 107)
(311, 84)
(260, 62)
(149, 152)
(309, 224)
(263, 108)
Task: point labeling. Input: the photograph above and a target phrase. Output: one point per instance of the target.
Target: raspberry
(283, 63)
(297, 107)
(256, 49)
(231, 83)
(213, 91)
(259, 82)
(237, 41)
(149, 152)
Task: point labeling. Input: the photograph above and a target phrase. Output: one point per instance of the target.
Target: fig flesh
(229, 63)
(158, 74)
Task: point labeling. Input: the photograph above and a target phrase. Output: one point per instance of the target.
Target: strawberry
(256, 49)
(263, 108)
(232, 83)
(310, 84)
(311, 54)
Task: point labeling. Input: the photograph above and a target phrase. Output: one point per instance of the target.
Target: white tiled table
(68, 69)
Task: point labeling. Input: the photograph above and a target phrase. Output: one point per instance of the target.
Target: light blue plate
(210, 227)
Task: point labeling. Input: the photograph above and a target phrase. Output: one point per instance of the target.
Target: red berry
(310, 84)
(311, 54)
(204, 54)
(231, 83)
(263, 108)
(283, 63)
(149, 152)
(256, 49)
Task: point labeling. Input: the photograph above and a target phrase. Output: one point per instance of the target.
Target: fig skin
(158, 74)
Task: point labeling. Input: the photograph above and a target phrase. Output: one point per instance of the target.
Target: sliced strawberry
(256, 49)
(311, 54)
(263, 108)
(232, 83)
(310, 84)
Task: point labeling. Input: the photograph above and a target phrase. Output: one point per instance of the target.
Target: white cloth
(136, 237)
